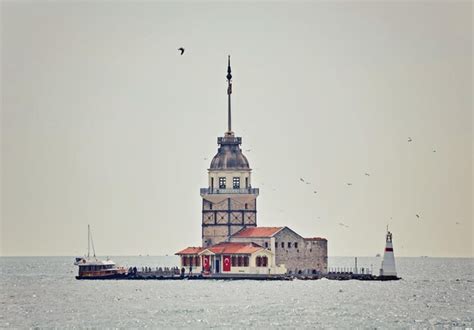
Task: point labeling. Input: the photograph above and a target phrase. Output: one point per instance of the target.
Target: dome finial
(229, 91)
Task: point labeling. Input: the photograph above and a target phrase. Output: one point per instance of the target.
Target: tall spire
(229, 91)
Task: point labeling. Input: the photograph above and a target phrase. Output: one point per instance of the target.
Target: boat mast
(92, 243)
(88, 240)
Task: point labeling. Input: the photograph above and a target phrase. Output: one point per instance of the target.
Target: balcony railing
(207, 191)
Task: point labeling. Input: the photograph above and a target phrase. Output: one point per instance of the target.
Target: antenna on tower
(229, 91)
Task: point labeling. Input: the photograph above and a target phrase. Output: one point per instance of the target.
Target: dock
(173, 273)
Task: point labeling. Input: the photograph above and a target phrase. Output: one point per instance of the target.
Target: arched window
(258, 261)
(234, 261)
(264, 261)
(239, 261)
(246, 261)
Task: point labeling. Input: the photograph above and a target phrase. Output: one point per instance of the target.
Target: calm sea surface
(42, 292)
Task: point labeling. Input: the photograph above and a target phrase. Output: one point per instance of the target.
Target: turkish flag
(206, 263)
(227, 264)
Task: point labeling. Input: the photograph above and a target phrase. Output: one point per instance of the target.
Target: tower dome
(229, 155)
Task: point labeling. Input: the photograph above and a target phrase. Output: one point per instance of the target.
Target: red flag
(227, 264)
(205, 262)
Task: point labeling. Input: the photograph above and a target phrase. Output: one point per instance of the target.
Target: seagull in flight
(301, 179)
(181, 49)
(343, 225)
(248, 150)
(409, 139)
(367, 174)
(315, 192)
(349, 184)
(417, 215)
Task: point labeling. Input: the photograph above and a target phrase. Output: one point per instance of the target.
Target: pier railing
(209, 191)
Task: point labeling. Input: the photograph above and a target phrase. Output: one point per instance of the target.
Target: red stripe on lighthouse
(388, 249)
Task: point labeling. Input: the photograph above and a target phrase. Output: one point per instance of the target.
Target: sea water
(43, 292)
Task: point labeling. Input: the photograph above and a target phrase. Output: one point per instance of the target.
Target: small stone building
(297, 254)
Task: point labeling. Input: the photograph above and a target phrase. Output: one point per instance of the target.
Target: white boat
(92, 268)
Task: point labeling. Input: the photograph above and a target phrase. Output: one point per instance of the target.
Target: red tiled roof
(258, 232)
(234, 248)
(316, 239)
(190, 250)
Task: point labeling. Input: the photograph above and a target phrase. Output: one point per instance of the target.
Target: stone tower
(229, 203)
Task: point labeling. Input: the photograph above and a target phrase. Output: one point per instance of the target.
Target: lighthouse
(388, 269)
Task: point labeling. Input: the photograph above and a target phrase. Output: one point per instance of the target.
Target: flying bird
(434, 150)
(248, 150)
(301, 179)
(409, 139)
(458, 223)
(367, 174)
(315, 192)
(343, 225)
(308, 182)
(349, 184)
(181, 49)
(417, 215)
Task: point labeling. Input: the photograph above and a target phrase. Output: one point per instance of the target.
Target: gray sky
(104, 123)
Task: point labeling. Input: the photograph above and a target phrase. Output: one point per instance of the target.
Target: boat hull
(101, 277)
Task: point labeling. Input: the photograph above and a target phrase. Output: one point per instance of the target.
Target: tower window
(266, 244)
(296, 245)
(246, 206)
(283, 244)
(210, 206)
(246, 182)
(212, 183)
(222, 182)
(289, 245)
(236, 182)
